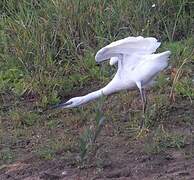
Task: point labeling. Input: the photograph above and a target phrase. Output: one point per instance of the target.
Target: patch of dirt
(118, 156)
(117, 159)
(123, 162)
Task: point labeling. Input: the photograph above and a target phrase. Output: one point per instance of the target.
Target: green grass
(162, 140)
(6, 155)
(47, 51)
(88, 138)
(48, 47)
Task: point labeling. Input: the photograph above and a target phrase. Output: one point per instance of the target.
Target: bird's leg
(143, 99)
(143, 130)
(144, 104)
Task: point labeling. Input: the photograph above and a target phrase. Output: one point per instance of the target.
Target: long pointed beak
(62, 105)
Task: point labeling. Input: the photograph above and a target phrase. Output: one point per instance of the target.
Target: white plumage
(137, 66)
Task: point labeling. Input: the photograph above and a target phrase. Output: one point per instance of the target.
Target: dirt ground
(115, 156)
(121, 161)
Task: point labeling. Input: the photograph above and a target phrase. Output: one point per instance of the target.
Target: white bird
(137, 67)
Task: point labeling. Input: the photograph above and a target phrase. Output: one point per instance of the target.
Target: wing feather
(128, 46)
(150, 66)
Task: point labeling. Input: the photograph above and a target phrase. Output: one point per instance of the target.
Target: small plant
(179, 86)
(85, 142)
(89, 136)
(6, 156)
(49, 149)
(184, 88)
(157, 111)
(162, 140)
(20, 118)
(46, 153)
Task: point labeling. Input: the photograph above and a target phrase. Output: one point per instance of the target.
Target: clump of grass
(162, 140)
(24, 118)
(88, 138)
(49, 149)
(6, 156)
(182, 74)
(184, 88)
(46, 153)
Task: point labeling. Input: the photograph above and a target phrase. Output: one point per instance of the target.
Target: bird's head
(101, 55)
(104, 54)
(108, 53)
(73, 102)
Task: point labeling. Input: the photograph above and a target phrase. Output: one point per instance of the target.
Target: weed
(46, 153)
(161, 140)
(6, 155)
(88, 137)
(20, 118)
(184, 88)
(49, 149)
(178, 85)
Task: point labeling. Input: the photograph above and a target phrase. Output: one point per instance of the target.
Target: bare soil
(120, 161)
(116, 155)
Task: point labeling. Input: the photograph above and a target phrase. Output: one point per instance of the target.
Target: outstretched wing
(150, 66)
(127, 46)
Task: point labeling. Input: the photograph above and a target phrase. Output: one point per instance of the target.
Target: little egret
(137, 67)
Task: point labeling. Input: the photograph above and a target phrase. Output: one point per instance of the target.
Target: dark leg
(145, 101)
(144, 104)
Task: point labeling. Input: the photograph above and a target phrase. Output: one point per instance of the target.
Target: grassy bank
(48, 47)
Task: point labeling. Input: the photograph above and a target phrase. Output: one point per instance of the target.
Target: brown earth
(120, 161)
(115, 155)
